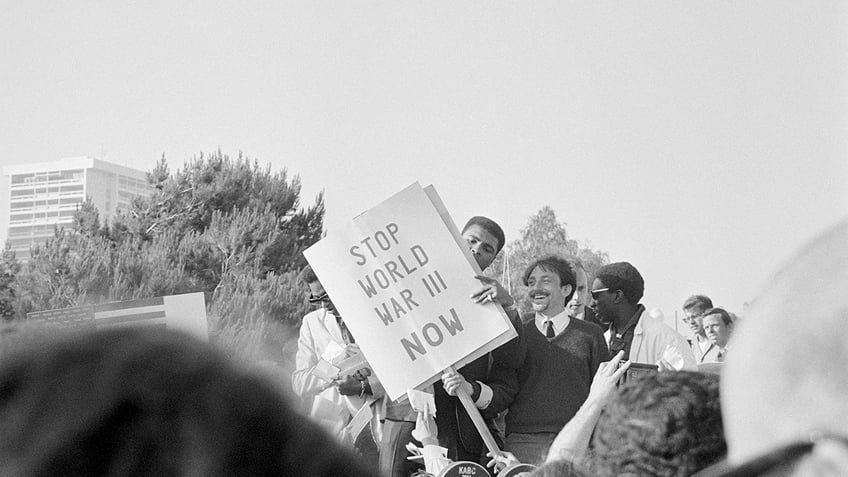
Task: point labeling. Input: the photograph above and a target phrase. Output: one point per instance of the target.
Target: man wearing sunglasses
(324, 339)
(615, 295)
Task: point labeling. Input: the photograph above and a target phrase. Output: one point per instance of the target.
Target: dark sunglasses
(319, 299)
(595, 293)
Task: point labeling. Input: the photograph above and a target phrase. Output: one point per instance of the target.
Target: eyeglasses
(318, 299)
(594, 293)
(691, 318)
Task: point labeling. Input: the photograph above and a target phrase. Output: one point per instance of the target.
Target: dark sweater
(457, 432)
(554, 378)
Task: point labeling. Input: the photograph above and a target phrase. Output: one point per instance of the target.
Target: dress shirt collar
(560, 321)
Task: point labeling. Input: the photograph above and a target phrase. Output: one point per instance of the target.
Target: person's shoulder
(588, 328)
(312, 318)
(657, 326)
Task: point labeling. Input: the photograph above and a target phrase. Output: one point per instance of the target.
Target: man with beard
(616, 292)
(558, 359)
(693, 314)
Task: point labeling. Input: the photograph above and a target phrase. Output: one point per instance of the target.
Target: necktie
(549, 331)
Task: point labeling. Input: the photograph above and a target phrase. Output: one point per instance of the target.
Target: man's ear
(619, 295)
(566, 289)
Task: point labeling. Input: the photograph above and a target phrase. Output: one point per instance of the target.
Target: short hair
(307, 275)
(661, 424)
(623, 276)
(725, 316)
(699, 302)
(490, 226)
(556, 264)
(145, 401)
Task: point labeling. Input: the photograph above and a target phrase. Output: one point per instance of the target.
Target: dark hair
(555, 264)
(699, 302)
(133, 401)
(661, 424)
(307, 275)
(490, 226)
(725, 316)
(623, 276)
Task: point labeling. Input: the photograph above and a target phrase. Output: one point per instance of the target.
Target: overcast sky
(701, 141)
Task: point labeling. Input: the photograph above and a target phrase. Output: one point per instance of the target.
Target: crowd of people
(536, 392)
(594, 384)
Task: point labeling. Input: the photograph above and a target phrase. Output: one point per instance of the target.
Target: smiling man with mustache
(559, 356)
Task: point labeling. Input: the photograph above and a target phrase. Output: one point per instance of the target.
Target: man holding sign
(399, 273)
(457, 433)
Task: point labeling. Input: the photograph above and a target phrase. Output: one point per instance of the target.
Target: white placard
(401, 277)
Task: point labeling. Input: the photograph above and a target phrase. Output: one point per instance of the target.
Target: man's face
(602, 300)
(578, 300)
(547, 293)
(693, 318)
(717, 331)
(483, 245)
(316, 292)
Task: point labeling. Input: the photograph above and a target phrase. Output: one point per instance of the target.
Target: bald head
(786, 373)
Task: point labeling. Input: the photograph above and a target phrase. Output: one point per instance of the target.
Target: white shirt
(560, 321)
(654, 340)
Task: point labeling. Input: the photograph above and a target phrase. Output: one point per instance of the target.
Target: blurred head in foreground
(660, 424)
(150, 402)
(785, 382)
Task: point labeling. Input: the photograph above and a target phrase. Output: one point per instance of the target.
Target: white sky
(701, 141)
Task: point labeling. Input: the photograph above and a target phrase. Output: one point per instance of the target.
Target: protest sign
(400, 276)
(186, 312)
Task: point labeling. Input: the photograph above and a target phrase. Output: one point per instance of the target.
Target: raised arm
(573, 440)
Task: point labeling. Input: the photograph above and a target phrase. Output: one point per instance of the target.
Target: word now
(432, 334)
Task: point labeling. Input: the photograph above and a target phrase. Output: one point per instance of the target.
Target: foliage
(226, 227)
(9, 268)
(543, 235)
(245, 315)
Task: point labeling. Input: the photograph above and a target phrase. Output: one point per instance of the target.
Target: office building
(45, 195)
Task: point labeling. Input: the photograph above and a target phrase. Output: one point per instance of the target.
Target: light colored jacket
(320, 332)
(653, 340)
